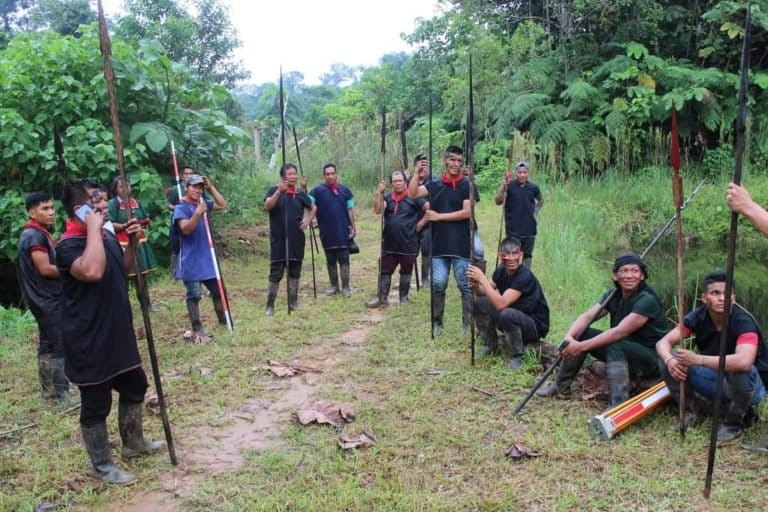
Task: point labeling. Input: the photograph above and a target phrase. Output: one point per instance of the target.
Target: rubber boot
(45, 373)
(333, 277)
(514, 347)
(481, 264)
(569, 369)
(438, 305)
(96, 444)
(617, 375)
(736, 408)
(129, 419)
(293, 293)
(218, 307)
(405, 287)
(385, 282)
(199, 336)
(346, 291)
(466, 315)
(60, 382)
(487, 331)
(271, 296)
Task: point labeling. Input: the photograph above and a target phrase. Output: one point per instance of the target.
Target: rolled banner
(611, 422)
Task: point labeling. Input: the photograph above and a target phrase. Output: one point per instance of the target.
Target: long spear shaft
(217, 271)
(741, 121)
(383, 152)
(176, 170)
(431, 231)
(471, 163)
(677, 192)
(285, 196)
(404, 148)
(643, 254)
(311, 227)
(141, 285)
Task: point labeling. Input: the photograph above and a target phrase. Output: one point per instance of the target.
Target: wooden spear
(141, 285)
(285, 196)
(471, 163)
(383, 152)
(431, 231)
(741, 121)
(312, 239)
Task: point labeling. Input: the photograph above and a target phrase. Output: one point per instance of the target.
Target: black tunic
(400, 235)
(41, 294)
(97, 324)
(531, 301)
(450, 239)
(519, 208)
(296, 204)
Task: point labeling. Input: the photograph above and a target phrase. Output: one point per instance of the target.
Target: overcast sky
(310, 35)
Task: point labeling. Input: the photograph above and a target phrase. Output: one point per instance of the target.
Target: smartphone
(82, 211)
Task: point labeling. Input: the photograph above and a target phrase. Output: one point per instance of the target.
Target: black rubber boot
(736, 408)
(218, 307)
(385, 283)
(346, 291)
(617, 375)
(405, 287)
(271, 296)
(45, 373)
(514, 347)
(333, 277)
(199, 336)
(487, 332)
(438, 305)
(129, 418)
(481, 264)
(466, 305)
(293, 293)
(60, 382)
(96, 444)
(569, 369)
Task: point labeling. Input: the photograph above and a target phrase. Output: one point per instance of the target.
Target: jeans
(478, 246)
(193, 288)
(440, 269)
(704, 380)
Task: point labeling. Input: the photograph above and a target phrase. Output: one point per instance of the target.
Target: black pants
(642, 360)
(96, 400)
(338, 255)
(277, 268)
(49, 330)
(506, 319)
(526, 243)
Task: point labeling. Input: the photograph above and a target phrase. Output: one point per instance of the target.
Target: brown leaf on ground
(364, 440)
(279, 369)
(520, 452)
(152, 403)
(593, 383)
(74, 484)
(325, 412)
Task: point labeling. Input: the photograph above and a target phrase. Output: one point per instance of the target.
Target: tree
(62, 16)
(205, 42)
(339, 75)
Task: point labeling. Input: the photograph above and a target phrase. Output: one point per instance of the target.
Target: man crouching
(97, 331)
(513, 302)
(745, 352)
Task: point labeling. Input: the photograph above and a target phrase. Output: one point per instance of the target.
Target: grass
(441, 442)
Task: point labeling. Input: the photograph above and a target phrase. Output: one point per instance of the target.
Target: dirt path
(256, 425)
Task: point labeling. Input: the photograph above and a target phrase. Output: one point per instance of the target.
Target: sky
(310, 35)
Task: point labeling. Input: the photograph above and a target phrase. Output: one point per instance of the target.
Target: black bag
(353, 248)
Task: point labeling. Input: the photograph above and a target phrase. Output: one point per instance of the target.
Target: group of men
(82, 278)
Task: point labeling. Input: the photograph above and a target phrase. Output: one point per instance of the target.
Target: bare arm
(485, 286)
(378, 199)
(90, 266)
(43, 265)
(132, 227)
(219, 203)
(188, 226)
(456, 216)
(740, 361)
(353, 228)
(629, 324)
(741, 202)
(309, 215)
(415, 190)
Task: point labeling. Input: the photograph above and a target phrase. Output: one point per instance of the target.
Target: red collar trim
(121, 203)
(398, 198)
(450, 181)
(72, 228)
(334, 188)
(33, 224)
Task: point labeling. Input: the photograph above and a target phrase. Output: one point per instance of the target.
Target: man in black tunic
(97, 331)
(513, 302)
(288, 206)
(402, 220)
(523, 202)
(449, 212)
(41, 288)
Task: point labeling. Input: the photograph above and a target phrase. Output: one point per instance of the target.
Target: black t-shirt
(519, 208)
(97, 324)
(707, 337)
(645, 302)
(449, 239)
(296, 204)
(531, 301)
(41, 294)
(400, 220)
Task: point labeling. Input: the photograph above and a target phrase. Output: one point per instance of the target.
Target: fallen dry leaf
(152, 403)
(520, 452)
(593, 382)
(364, 440)
(288, 369)
(205, 372)
(325, 412)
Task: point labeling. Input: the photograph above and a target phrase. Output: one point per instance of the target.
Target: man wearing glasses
(511, 301)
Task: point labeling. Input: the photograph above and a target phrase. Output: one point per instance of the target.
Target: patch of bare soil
(256, 425)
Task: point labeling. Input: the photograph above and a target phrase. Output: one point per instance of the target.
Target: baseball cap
(521, 164)
(195, 179)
